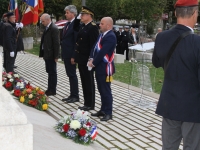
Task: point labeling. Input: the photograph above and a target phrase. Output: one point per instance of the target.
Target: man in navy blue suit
(68, 42)
(102, 60)
(179, 102)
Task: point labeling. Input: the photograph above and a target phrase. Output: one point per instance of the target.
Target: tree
(56, 7)
(103, 8)
(4, 7)
(78, 4)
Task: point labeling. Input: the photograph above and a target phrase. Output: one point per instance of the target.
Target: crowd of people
(82, 44)
(125, 38)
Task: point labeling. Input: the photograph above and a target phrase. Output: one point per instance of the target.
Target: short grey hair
(185, 12)
(72, 9)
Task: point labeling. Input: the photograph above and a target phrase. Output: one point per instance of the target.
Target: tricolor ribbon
(106, 59)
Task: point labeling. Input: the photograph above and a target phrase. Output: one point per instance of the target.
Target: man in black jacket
(86, 38)
(49, 50)
(124, 41)
(9, 42)
(68, 42)
(179, 102)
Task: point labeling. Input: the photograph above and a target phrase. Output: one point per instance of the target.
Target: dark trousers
(4, 59)
(71, 73)
(124, 46)
(174, 131)
(118, 48)
(9, 62)
(106, 94)
(51, 69)
(87, 80)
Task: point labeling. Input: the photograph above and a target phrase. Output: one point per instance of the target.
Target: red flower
(8, 84)
(82, 132)
(66, 127)
(33, 102)
(17, 92)
(88, 124)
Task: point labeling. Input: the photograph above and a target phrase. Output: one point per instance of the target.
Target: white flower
(30, 96)
(11, 80)
(16, 75)
(9, 76)
(12, 92)
(75, 124)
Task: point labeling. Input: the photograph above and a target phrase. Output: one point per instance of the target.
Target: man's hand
(56, 60)
(72, 61)
(12, 54)
(90, 63)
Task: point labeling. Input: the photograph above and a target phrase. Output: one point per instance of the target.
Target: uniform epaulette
(94, 24)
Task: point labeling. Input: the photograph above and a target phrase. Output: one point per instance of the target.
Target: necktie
(67, 25)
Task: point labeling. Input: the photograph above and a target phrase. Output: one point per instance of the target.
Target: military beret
(9, 14)
(186, 3)
(86, 10)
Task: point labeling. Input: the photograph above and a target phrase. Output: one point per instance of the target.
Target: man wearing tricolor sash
(102, 60)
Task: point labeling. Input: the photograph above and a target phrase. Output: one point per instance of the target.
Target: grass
(128, 73)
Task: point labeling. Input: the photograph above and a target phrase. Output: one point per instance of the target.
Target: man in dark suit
(102, 59)
(68, 42)
(124, 41)
(179, 102)
(119, 39)
(49, 50)
(9, 42)
(86, 38)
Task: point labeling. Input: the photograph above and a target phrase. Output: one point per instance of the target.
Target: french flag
(94, 132)
(14, 7)
(31, 15)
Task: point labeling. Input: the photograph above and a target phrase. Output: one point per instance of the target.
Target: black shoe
(72, 100)
(85, 108)
(98, 114)
(50, 93)
(66, 99)
(106, 117)
(82, 108)
(14, 66)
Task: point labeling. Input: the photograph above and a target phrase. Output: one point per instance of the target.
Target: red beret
(185, 3)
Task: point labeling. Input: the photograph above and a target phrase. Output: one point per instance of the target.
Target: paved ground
(132, 127)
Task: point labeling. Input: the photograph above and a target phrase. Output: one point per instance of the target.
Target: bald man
(49, 50)
(102, 60)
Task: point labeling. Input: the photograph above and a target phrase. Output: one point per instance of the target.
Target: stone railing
(15, 130)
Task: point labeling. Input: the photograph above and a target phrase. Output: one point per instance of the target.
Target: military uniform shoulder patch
(94, 24)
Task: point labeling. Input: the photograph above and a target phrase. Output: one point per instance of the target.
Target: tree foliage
(103, 8)
(4, 7)
(56, 7)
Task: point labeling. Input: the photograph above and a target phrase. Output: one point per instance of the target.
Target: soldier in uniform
(124, 41)
(118, 36)
(179, 102)
(86, 38)
(9, 42)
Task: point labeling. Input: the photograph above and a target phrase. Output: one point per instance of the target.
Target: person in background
(119, 39)
(49, 50)
(9, 42)
(102, 60)
(87, 35)
(68, 42)
(158, 31)
(179, 102)
(124, 41)
(20, 44)
(133, 37)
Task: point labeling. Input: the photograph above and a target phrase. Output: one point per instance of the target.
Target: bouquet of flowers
(78, 127)
(26, 94)
(33, 96)
(11, 81)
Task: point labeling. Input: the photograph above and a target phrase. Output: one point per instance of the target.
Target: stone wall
(16, 133)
